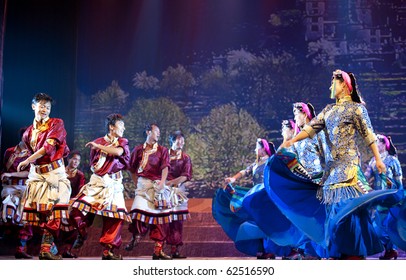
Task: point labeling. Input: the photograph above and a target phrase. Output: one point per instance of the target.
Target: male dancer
(104, 194)
(46, 200)
(151, 207)
(77, 180)
(180, 171)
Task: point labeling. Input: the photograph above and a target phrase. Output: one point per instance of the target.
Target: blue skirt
(267, 216)
(386, 223)
(343, 228)
(248, 242)
(400, 221)
(239, 226)
(295, 195)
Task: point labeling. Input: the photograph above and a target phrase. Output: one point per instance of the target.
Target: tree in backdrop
(146, 83)
(111, 100)
(162, 111)
(223, 144)
(177, 84)
(214, 86)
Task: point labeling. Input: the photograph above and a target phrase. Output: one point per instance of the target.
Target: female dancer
(348, 234)
(392, 179)
(229, 212)
(312, 154)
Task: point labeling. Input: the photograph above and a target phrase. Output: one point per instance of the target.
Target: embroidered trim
(145, 155)
(116, 176)
(37, 127)
(237, 198)
(158, 219)
(14, 181)
(45, 168)
(176, 156)
(336, 195)
(59, 212)
(102, 158)
(112, 212)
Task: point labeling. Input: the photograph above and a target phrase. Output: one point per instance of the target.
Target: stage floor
(203, 240)
(401, 256)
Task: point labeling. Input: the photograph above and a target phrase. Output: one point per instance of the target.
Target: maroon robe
(76, 182)
(156, 162)
(113, 163)
(180, 167)
(53, 139)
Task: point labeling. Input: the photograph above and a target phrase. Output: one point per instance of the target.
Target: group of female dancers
(312, 198)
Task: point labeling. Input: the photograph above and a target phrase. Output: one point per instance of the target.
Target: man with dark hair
(180, 171)
(77, 180)
(151, 208)
(75, 176)
(46, 200)
(103, 195)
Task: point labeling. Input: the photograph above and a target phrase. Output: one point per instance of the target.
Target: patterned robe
(104, 193)
(343, 123)
(48, 189)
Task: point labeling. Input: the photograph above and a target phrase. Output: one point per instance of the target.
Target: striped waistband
(14, 181)
(49, 167)
(116, 176)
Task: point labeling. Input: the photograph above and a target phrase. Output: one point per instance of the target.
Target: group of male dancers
(41, 195)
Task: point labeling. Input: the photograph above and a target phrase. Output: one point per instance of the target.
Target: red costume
(181, 165)
(103, 195)
(148, 164)
(77, 180)
(46, 200)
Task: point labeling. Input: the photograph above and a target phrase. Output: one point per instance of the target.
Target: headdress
(290, 124)
(305, 108)
(341, 75)
(264, 143)
(387, 140)
(269, 147)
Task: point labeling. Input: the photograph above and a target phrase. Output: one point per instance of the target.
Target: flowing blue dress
(295, 194)
(237, 212)
(386, 220)
(337, 216)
